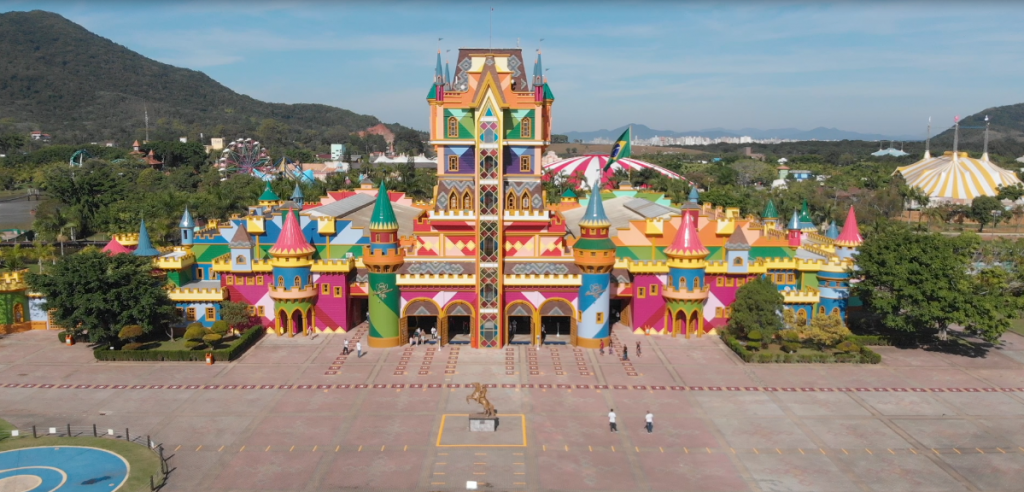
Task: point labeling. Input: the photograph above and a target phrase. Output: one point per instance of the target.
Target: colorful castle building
(487, 261)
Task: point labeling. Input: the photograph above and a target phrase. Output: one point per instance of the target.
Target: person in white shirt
(433, 332)
(611, 420)
(345, 350)
(650, 422)
(359, 349)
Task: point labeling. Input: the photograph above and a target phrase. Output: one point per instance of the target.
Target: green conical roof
(433, 92)
(383, 218)
(805, 212)
(770, 212)
(269, 195)
(569, 193)
(548, 95)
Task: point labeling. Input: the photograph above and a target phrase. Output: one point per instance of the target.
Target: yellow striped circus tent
(955, 177)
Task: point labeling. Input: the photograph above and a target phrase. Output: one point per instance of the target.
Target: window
(252, 310)
(821, 310)
(739, 282)
(525, 201)
(248, 281)
(719, 281)
(641, 292)
(453, 127)
(729, 282)
(524, 164)
(180, 312)
(654, 290)
(835, 311)
(791, 278)
(190, 314)
(325, 289)
(199, 274)
(510, 201)
(593, 253)
(738, 261)
(453, 201)
(298, 282)
(453, 163)
(719, 312)
(211, 314)
(309, 279)
(600, 318)
(526, 128)
(780, 278)
(260, 311)
(696, 283)
(259, 280)
(280, 282)
(240, 259)
(467, 201)
(229, 280)
(337, 291)
(728, 312)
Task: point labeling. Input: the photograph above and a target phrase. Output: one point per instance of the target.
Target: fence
(69, 430)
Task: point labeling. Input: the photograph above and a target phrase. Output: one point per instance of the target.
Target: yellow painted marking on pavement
(844, 450)
(566, 447)
(957, 451)
(544, 447)
(436, 483)
(442, 454)
(480, 463)
(662, 450)
(801, 451)
(382, 448)
(243, 449)
(514, 454)
(314, 449)
(292, 449)
(890, 451)
(1020, 448)
(200, 447)
(709, 450)
(268, 449)
(777, 451)
(360, 449)
(980, 451)
(912, 450)
(177, 448)
(221, 449)
(755, 451)
(479, 473)
(1001, 450)
(591, 448)
(733, 450)
(869, 451)
(637, 448)
(822, 451)
(936, 452)
(337, 449)
(438, 473)
(406, 448)
(480, 454)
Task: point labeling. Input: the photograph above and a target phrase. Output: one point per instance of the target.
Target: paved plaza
(294, 414)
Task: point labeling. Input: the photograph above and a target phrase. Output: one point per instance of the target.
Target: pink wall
(649, 311)
(332, 312)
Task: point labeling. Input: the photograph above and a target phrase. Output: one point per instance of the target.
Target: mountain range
(820, 133)
(59, 78)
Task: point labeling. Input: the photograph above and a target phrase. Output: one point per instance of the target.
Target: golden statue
(480, 396)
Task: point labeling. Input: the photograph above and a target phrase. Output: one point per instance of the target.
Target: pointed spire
(928, 140)
(538, 70)
(187, 222)
(145, 247)
(447, 76)
(269, 195)
(595, 217)
(291, 242)
(805, 212)
(850, 237)
(794, 223)
(438, 71)
(297, 195)
(769, 211)
(114, 247)
(383, 218)
(694, 196)
(833, 231)
(737, 241)
(687, 243)
(984, 153)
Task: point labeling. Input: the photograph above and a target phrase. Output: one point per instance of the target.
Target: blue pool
(63, 469)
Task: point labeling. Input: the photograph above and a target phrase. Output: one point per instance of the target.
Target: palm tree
(60, 226)
(13, 258)
(44, 252)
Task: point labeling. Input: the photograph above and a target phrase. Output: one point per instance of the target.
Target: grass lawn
(142, 462)
(179, 344)
(1017, 326)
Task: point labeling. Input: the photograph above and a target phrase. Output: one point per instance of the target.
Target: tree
(236, 315)
(1012, 193)
(757, 306)
(13, 258)
(10, 142)
(100, 294)
(994, 305)
(194, 335)
(986, 210)
(828, 330)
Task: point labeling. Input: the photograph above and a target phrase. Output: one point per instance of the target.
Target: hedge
(866, 355)
(231, 353)
(864, 340)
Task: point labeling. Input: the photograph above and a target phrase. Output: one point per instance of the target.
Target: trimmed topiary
(790, 336)
(63, 337)
(848, 347)
(211, 339)
(755, 336)
(192, 344)
(790, 347)
(220, 327)
(195, 332)
(131, 346)
(130, 332)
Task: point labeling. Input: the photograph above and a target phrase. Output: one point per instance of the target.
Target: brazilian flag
(621, 149)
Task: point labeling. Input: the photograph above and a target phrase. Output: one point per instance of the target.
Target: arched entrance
(19, 312)
(457, 323)
(679, 323)
(419, 314)
(557, 321)
(519, 319)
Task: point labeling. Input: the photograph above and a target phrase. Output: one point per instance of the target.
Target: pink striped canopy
(591, 166)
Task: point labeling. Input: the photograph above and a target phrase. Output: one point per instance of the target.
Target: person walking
(638, 349)
(602, 346)
(345, 351)
(649, 418)
(611, 420)
(359, 350)
(625, 352)
(433, 332)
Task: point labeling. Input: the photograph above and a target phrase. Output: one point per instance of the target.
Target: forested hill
(1006, 131)
(57, 77)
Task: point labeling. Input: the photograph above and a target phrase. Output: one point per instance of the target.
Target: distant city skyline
(875, 68)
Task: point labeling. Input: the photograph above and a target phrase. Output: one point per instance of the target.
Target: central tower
(490, 126)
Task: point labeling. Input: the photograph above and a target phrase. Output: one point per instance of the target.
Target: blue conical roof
(833, 231)
(595, 216)
(794, 223)
(447, 76)
(694, 195)
(187, 222)
(297, 192)
(145, 247)
(438, 71)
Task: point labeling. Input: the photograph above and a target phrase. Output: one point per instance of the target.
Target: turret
(292, 288)
(850, 238)
(737, 252)
(570, 196)
(770, 217)
(269, 198)
(241, 250)
(806, 223)
(686, 290)
(694, 195)
(594, 254)
(833, 231)
(145, 247)
(297, 196)
(793, 229)
(186, 227)
(382, 258)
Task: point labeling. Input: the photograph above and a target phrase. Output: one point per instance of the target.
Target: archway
(695, 325)
(19, 312)
(557, 321)
(679, 324)
(457, 323)
(420, 314)
(359, 308)
(297, 322)
(282, 322)
(519, 320)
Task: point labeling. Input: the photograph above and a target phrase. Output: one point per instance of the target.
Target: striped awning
(957, 178)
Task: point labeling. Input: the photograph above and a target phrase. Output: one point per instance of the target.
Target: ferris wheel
(246, 156)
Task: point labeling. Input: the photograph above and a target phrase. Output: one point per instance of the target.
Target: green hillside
(57, 77)
(1006, 131)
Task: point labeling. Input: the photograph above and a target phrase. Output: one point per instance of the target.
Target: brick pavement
(296, 415)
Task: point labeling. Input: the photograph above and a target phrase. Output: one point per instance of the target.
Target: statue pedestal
(482, 423)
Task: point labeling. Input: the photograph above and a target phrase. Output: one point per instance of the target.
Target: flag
(621, 149)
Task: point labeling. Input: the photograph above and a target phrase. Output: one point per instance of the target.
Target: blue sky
(860, 66)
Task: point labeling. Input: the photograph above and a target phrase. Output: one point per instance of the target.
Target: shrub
(848, 347)
(195, 332)
(752, 346)
(130, 332)
(63, 337)
(192, 344)
(846, 357)
(869, 356)
(211, 339)
(765, 357)
(220, 327)
(755, 336)
(790, 347)
(790, 335)
(226, 354)
(869, 340)
(131, 346)
(789, 358)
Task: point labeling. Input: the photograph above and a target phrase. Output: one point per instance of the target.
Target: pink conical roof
(851, 231)
(687, 243)
(291, 242)
(114, 247)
